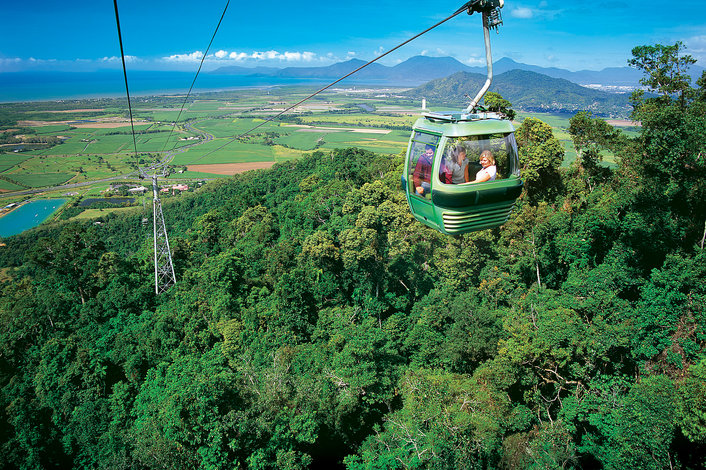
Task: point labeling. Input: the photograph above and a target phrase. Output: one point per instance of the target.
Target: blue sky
(171, 35)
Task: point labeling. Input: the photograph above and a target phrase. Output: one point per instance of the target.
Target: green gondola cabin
(459, 206)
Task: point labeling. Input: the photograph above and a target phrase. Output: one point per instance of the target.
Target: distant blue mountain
(413, 71)
(420, 69)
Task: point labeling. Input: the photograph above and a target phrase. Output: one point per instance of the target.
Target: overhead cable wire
(466, 7)
(127, 91)
(196, 76)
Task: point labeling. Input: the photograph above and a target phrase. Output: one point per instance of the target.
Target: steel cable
(127, 91)
(466, 7)
(195, 77)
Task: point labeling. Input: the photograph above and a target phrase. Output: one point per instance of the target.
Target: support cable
(467, 7)
(196, 76)
(127, 91)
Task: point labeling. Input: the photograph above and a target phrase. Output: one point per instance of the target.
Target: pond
(28, 215)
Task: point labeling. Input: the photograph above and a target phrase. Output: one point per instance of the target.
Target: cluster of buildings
(139, 189)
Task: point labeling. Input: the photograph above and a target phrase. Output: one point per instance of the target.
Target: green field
(9, 160)
(9, 186)
(233, 152)
(39, 180)
(95, 213)
(217, 128)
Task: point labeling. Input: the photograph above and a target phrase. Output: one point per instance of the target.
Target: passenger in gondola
(458, 167)
(422, 171)
(488, 170)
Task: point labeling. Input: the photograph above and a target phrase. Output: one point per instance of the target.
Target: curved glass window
(461, 159)
(421, 159)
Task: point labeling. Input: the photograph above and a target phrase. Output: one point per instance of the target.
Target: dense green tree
(665, 167)
(644, 427)
(496, 103)
(591, 136)
(446, 421)
(71, 259)
(691, 407)
(540, 157)
(665, 69)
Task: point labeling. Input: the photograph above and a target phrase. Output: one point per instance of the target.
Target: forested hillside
(315, 323)
(528, 90)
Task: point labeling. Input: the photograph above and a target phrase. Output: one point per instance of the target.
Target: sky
(81, 35)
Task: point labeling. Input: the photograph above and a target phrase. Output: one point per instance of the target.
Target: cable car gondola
(437, 194)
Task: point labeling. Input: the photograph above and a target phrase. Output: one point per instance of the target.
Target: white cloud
(696, 47)
(117, 60)
(475, 61)
(238, 55)
(299, 56)
(9, 64)
(193, 57)
(522, 12)
(438, 52)
(269, 55)
(287, 56)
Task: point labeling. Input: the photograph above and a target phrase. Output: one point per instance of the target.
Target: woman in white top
(489, 170)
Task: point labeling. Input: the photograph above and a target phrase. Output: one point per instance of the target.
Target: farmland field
(36, 180)
(217, 134)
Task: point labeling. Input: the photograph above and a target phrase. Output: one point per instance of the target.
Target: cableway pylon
(164, 276)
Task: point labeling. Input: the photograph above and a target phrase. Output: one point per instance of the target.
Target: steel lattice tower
(164, 276)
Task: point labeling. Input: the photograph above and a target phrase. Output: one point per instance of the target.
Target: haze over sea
(42, 86)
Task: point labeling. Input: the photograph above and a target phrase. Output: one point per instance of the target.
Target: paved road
(168, 157)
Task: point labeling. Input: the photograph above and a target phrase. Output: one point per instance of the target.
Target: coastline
(19, 87)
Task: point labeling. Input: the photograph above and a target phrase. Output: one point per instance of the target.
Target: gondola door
(419, 171)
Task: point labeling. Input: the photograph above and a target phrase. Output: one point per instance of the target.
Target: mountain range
(420, 69)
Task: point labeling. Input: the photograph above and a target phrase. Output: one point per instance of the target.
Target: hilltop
(527, 90)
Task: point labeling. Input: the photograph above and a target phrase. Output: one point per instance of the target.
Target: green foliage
(528, 90)
(665, 167)
(665, 68)
(646, 417)
(541, 155)
(446, 421)
(671, 313)
(590, 135)
(315, 324)
(496, 103)
(691, 406)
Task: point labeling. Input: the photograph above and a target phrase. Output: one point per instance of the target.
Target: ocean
(45, 86)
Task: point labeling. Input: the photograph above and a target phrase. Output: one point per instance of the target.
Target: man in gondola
(422, 171)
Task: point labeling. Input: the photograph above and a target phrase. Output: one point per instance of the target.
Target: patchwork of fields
(212, 138)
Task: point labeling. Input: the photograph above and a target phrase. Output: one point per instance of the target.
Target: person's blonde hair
(489, 155)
